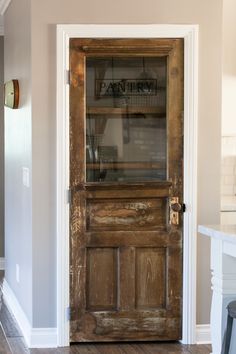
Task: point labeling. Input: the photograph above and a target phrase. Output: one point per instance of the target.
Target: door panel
(101, 269)
(126, 163)
(126, 214)
(150, 278)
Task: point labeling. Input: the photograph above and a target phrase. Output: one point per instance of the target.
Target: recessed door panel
(151, 278)
(126, 214)
(101, 279)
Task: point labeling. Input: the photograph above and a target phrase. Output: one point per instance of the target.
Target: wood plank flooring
(4, 346)
(12, 342)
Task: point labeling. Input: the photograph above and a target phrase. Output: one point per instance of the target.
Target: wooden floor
(11, 342)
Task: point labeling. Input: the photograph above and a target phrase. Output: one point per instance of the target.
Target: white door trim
(4, 6)
(190, 35)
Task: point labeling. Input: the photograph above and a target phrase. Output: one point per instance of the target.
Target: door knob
(175, 208)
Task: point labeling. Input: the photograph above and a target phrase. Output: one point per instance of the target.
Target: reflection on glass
(126, 119)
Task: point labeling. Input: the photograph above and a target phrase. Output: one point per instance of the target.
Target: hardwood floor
(12, 342)
(3, 343)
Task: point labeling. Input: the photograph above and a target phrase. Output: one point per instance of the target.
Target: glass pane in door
(126, 119)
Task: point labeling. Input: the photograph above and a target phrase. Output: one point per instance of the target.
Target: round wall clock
(11, 94)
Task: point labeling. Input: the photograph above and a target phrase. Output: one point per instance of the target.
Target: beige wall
(44, 17)
(46, 14)
(1, 147)
(229, 68)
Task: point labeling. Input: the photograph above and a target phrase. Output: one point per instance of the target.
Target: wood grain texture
(127, 278)
(125, 257)
(133, 238)
(126, 214)
(127, 165)
(101, 270)
(127, 192)
(175, 123)
(150, 278)
(161, 47)
(18, 346)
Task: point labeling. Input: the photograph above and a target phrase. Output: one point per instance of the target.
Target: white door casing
(190, 35)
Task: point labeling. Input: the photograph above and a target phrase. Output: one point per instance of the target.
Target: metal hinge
(69, 196)
(183, 207)
(68, 313)
(67, 79)
(182, 123)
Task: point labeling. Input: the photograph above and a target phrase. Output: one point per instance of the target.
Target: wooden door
(126, 180)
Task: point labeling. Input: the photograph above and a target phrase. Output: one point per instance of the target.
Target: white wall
(1, 147)
(18, 211)
(229, 68)
(228, 169)
(228, 166)
(44, 17)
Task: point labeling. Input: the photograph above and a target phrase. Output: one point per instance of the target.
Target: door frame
(190, 35)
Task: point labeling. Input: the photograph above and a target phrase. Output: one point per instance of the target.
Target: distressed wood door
(126, 180)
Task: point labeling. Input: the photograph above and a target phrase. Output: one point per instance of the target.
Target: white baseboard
(203, 334)
(16, 310)
(34, 337)
(47, 337)
(2, 263)
(43, 338)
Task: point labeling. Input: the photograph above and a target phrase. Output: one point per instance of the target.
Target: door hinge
(69, 196)
(68, 314)
(182, 123)
(183, 207)
(67, 79)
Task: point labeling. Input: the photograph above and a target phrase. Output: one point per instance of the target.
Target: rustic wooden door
(126, 180)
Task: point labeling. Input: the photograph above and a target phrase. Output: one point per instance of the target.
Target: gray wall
(44, 17)
(1, 147)
(18, 154)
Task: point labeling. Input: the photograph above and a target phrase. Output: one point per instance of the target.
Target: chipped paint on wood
(125, 258)
(126, 214)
